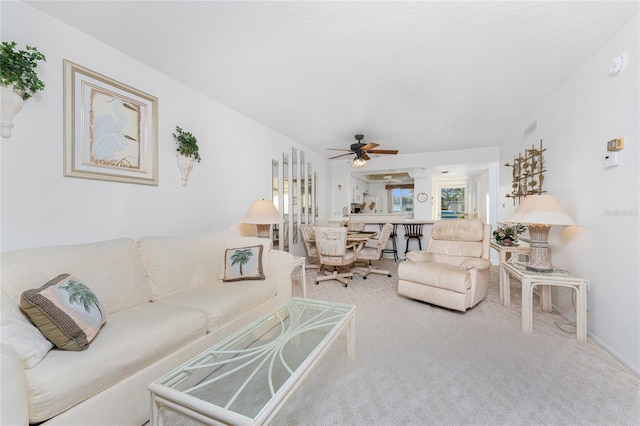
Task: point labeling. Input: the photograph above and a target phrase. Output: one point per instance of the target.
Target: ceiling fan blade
(341, 155)
(365, 156)
(338, 149)
(369, 146)
(382, 151)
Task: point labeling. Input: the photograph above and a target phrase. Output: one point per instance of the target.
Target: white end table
(557, 277)
(506, 252)
(301, 262)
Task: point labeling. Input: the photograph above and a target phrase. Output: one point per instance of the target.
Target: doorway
(452, 199)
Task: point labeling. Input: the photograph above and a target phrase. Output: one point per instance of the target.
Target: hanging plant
(187, 144)
(17, 69)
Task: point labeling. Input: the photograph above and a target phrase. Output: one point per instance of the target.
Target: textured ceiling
(414, 76)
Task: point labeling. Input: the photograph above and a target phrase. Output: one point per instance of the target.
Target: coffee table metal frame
(288, 322)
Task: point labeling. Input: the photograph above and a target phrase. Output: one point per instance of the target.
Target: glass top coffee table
(247, 377)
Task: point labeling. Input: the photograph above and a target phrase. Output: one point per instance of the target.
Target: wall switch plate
(615, 144)
(611, 159)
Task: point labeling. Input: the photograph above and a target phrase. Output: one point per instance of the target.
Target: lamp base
(263, 230)
(539, 258)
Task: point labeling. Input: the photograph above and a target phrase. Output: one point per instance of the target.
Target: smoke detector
(617, 65)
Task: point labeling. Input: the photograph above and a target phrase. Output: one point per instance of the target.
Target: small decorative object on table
(507, 233)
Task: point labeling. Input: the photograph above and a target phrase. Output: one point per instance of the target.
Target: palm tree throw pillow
(66, 311)
(243, 263)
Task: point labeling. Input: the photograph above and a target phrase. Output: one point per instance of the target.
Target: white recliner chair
(454, 270)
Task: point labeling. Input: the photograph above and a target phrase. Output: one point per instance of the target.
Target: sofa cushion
(132, 340)
(20, 335)
(113, 269)
(223, 301)
(66, 311)
(243, 263)
(440, 275)
(180, 263)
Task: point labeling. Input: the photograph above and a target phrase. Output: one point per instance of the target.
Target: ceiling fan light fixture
(359, 162)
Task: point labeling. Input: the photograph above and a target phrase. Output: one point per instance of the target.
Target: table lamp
(539, 212)
(263, 214)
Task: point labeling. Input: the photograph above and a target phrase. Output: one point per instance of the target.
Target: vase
(185, 164)
(11, 103)
(506, 242)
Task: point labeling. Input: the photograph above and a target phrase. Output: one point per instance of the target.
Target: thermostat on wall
(615, 144)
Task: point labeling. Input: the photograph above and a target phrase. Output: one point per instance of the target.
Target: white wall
(41, 207)
(591, 108)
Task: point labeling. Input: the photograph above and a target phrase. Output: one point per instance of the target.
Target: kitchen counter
(372, 221)
(375, 218)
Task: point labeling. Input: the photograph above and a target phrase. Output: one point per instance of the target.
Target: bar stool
(393, 240)
(413, 231)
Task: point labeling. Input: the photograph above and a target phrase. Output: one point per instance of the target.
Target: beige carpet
(419, 364)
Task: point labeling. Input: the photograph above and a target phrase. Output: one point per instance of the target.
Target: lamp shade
(543, 209)
(262, 212)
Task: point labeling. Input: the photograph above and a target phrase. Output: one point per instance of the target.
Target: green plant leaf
(187, 144)
(17, 68)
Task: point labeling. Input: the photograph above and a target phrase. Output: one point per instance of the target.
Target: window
(401, 200)
(452, 200)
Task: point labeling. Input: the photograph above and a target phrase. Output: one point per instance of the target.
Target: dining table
(360, 236)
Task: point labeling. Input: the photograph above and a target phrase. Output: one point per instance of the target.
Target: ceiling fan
(390, 178)
(361, 149)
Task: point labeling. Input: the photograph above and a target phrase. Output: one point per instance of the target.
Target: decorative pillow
(66, 311)
(243, 263)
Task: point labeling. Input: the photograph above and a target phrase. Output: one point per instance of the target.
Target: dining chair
(393, 238)
(372, 250)
(310, 246)
(413, 231)
(334, 252)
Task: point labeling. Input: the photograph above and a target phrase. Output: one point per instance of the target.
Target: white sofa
(165, 302)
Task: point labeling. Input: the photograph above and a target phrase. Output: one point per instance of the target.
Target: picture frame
(110, 129)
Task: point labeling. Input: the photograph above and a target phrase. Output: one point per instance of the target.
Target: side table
(301, 262)
(557, 277)
(506, 252)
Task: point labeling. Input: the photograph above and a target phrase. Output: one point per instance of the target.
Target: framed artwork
(110, 129)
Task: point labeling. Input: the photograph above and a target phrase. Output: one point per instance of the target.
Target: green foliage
(241, 256)
(505, 231)
(17, 68)
(450, 196)
(79, 294)
(187, 144)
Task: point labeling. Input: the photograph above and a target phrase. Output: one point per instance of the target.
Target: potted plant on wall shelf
(18, 80)
(187, 153)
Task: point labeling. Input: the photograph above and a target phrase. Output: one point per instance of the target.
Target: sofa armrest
(419, 256)
(281, 266)
(14, 409)
(475, 263)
